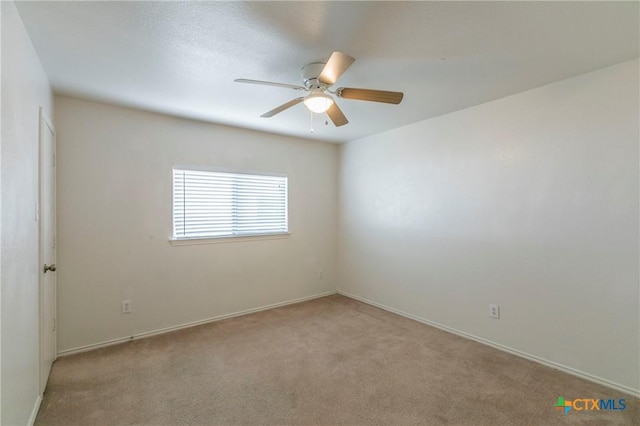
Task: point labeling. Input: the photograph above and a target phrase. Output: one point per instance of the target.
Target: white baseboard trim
(34, 411)
(94, 346)
(545, 362)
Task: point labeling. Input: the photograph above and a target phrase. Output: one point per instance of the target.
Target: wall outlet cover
(494, 311)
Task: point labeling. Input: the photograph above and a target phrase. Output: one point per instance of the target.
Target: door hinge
(54, 242)
(54, 324)
(53, 163)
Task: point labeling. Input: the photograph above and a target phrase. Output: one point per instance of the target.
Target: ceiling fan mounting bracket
(310, 74)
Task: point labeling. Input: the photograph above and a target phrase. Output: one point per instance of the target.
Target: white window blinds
(216, 204)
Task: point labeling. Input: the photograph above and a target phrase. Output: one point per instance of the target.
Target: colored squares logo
(563, 405)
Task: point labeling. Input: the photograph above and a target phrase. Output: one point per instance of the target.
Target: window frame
(181, 241)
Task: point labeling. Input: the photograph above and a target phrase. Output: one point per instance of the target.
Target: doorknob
(51, 268)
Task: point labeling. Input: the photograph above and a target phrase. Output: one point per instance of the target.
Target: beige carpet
(330, 361)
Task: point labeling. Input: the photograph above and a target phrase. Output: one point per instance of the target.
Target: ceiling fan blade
(282, 107)
(335, 67)
(370, 95)
(269, 83)
(336, 115)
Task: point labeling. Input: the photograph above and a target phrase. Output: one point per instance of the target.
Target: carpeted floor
(330, 361)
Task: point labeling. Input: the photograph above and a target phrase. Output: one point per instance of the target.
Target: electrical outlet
(494, 311)
(126, 306)
(320, 273)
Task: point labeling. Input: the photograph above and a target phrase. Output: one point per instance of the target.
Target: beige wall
(24, 89)
(529, 202)
(114, 222)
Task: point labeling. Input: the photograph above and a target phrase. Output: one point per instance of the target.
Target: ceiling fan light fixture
(318, 102)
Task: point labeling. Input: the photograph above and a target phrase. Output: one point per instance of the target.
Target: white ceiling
(181, 58)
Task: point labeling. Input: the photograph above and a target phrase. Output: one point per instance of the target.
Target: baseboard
(545, 362)
(34, 411)
(94, 346)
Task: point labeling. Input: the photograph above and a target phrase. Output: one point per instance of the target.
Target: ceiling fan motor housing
(310, 73)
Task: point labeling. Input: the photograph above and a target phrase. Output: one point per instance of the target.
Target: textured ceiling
(181, 58)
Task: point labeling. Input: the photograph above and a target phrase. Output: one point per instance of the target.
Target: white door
(47, 248)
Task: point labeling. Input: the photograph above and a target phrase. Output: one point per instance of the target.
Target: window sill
(235, 239)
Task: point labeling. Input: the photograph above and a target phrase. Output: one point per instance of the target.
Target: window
(216, 204)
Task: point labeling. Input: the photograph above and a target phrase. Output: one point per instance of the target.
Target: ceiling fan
(317, 78)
